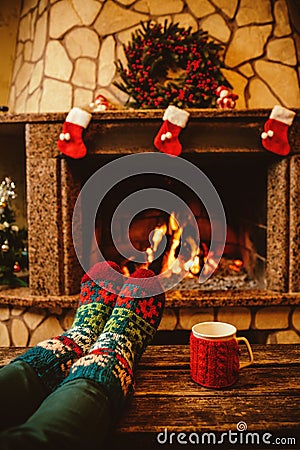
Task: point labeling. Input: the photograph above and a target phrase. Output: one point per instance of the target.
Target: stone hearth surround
(29, 315)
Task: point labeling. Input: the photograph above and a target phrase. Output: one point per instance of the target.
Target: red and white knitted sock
(275, 134)
(51, 359)
(167, 138)
(129, 330)
(70, 140)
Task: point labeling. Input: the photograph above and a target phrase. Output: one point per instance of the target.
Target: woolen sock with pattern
(52, 358)
(130, 328)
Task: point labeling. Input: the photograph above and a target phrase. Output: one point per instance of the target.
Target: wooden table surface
(266, 398)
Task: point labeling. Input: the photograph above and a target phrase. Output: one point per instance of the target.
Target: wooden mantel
(208, 130)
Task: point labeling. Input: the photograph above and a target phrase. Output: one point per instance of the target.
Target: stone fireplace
(256, 188)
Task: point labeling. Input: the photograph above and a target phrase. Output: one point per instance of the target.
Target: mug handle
(251, 358)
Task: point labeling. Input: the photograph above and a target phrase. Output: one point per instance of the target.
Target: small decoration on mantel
(275, 134)
(167, 138)
(169, 64)
(70, 140)
(100, 104)
(226, 99)
(13, 258)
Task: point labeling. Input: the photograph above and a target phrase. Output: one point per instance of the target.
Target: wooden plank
(9, 353)
(260, 381)
(177, 356)
(214, 412)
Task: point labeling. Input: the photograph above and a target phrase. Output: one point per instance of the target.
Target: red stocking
(167, 139)
(70, 140)
(275, 134)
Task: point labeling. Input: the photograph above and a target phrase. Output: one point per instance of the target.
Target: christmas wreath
(170, 64)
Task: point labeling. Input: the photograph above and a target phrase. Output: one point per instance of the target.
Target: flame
(170, 261)
(150, 255)
(173, 224)
(158, 234)
(196, 267)
(210, 264)
(176, 267)
(125, 271)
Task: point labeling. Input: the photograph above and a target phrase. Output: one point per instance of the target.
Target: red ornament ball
(17, 267)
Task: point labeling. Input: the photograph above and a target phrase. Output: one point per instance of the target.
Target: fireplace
(240, 180)
(259, 192)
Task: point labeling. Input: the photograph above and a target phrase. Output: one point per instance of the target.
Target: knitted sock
(275, 134)
(70, 140)
(167, 138)
(130, 328)
(52, 358)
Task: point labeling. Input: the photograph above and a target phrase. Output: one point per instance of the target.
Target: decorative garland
(170, 64)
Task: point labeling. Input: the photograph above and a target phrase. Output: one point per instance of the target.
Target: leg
(36, 373)
(75, 416)
(81, 412)
(131, 327)
(52, 359)
(21, 393)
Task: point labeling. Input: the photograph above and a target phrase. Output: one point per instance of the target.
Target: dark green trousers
(75, 416)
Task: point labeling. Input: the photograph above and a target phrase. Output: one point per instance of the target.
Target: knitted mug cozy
(214, 363)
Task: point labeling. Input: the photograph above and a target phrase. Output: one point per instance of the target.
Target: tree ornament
(169, 64)
(17, 267)
(7, 191)
(5, 246)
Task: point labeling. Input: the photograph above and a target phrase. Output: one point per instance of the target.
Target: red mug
(215, 354)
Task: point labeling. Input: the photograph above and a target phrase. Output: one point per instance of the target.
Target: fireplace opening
(241, 182)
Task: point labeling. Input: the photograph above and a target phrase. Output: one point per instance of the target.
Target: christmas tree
(13, 241)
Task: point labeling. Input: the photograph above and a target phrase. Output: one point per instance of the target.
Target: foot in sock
(52, 358)
(130, 328)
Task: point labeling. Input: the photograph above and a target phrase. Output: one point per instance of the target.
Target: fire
(170, 261)
(210, 264)
(193, 259)
(157, 236)
(236, 265)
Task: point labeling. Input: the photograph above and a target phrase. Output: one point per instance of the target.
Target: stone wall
(21, 326)
(66, 49)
